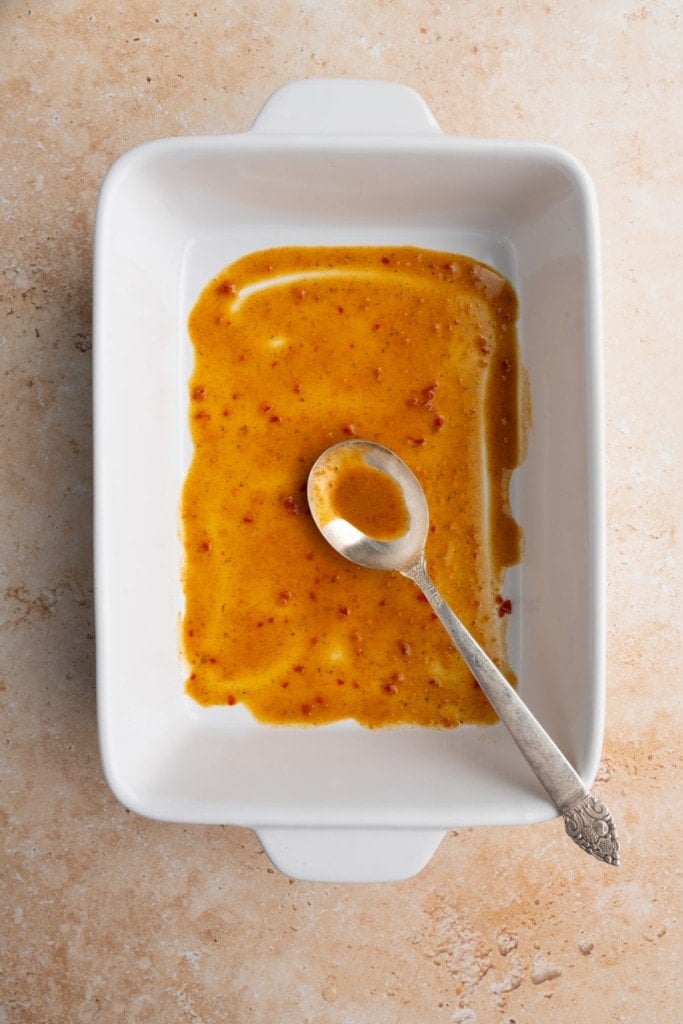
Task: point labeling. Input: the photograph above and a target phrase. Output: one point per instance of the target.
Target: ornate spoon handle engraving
(589, 823)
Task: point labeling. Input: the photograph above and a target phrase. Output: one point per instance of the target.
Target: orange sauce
(295, 350)
(367, 498)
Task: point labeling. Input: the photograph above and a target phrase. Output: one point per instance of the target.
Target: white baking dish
(340, 162)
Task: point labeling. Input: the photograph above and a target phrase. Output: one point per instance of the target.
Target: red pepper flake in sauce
(226, 288)
(505, 608)
(231, 699)
(343, 612)
(290, 504)
(438, 422)
(349, 429)
(428, 396)
(199, 394)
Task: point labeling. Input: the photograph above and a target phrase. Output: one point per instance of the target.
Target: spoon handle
(587, 820)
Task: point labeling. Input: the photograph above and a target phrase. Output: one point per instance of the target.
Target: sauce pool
(297, 349)
(368, 499)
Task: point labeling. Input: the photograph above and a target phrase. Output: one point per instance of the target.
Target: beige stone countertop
(106, 916)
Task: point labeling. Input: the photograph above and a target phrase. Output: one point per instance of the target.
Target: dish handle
(347, 106)
(337, 855)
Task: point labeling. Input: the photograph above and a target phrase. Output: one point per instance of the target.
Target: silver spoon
(587, 820)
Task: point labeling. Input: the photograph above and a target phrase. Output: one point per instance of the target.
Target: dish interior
(171, 215)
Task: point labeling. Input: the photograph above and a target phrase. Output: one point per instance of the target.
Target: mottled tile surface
(105, 916)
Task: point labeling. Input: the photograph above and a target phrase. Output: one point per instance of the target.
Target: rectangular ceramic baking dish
(340, 162)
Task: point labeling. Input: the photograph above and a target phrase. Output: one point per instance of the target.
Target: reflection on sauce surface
(295, 350)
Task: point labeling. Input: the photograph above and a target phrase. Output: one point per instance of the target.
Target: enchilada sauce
(295, 350)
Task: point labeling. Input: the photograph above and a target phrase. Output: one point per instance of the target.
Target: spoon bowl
(398, 544)
(345, 537)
